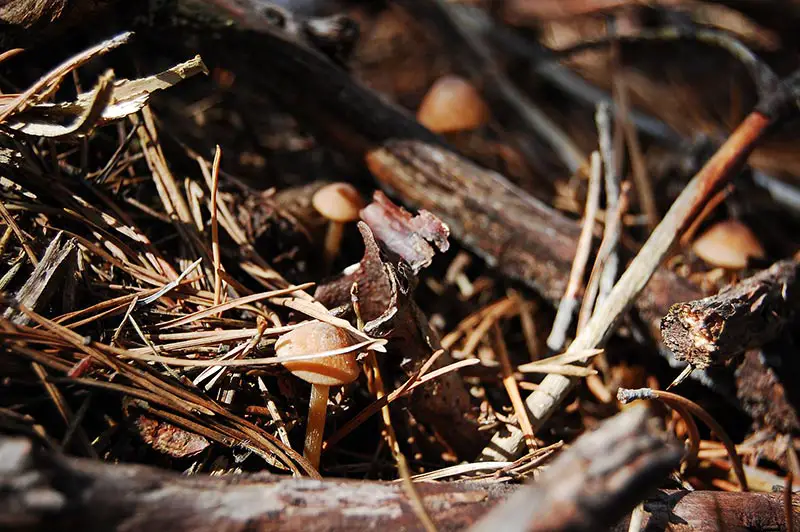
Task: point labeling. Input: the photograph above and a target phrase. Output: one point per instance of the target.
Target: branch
(591, 486)
(749, 314)
(41, 491)
(512, 231)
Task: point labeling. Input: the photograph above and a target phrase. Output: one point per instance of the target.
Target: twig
(607, 257)
(568, 303)
(743, 316)
(510, 384)
(644, 188)
(626, 396)
(45, 280)
(604, 272)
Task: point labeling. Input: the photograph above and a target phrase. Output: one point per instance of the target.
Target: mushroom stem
(317, 409)
(333, 240)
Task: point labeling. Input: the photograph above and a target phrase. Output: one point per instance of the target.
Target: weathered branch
(40, 491)
(512, 231)
(591, 486)
(745, 315)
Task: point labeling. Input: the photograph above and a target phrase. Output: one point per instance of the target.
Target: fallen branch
(746, 315)
(515, 233)
(62, 494)
(597, 481)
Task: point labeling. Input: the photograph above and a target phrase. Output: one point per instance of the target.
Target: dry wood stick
(598, 480)
(745, 315)
(46, 278)
(569, 302)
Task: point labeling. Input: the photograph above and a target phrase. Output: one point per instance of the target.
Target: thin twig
(510, 384)
(568, 303)
(673, 400)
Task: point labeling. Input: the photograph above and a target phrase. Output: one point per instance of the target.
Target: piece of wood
(515, 233)
(46, 279)
(609, 469)
(598, 480)
(40, 491)
(745, 315)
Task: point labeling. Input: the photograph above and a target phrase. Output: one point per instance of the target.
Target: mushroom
(339, 203)
(452, 104)
(322, 373)
(728, 244)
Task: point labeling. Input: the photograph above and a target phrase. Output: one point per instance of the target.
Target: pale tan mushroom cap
(338, 202)
(314, 338)
(452, 104)
(728, 244)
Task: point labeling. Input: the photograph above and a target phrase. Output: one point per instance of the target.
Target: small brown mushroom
(339, 203)
(728, 244)
(452, 104)
(322, 373)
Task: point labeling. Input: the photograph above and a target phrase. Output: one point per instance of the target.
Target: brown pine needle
(23, 240)
(215, 227)
(512, 389)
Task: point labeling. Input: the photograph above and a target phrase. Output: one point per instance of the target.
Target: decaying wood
(44, 491)
(591, 486)
(745, 315)
(48, 492)
(607, 469)
(46, 279)
(766, 389)
(714, 511)
(520, 236)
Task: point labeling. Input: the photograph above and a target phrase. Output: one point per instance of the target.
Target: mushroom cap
(338, 202)
(728, 244)
(317, 337)
(452, 104)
